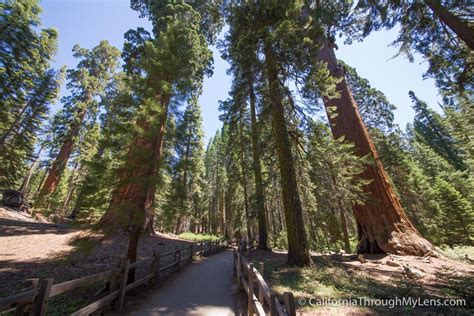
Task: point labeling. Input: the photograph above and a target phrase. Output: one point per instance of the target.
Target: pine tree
(456, 216)
(440, 31)
(169, 64)
(27, 85)
(183, 201)
(432, 130)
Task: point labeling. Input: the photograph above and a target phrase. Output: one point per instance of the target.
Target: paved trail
(203, 288)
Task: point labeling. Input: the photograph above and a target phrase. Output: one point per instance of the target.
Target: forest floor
(33, 249)
(340, 284)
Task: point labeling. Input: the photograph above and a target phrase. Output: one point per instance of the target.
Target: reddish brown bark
(131, 203)
(52, 181)
(382, 223)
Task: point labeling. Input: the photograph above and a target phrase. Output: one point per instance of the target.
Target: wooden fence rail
(261, 299)
(33, 300)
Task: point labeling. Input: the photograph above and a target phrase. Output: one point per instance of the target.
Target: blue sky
(87, 22)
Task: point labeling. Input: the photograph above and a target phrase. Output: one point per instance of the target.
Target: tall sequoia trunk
(57, 168)
(257, 170)
(131, 204)
(382, 223)
(132, 200)
(462, 28)
(298, 253)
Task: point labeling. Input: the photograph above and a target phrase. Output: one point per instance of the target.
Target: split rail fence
(33, 300)
(261, 300)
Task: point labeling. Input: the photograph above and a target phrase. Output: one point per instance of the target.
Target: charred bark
(382, 223)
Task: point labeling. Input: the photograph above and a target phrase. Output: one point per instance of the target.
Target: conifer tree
(441, 31)
(184, 199)
(169, 64)
(456, 215)
(431, 129)
(86, 83)
(27, 85)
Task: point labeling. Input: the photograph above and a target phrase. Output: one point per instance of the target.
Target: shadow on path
(203, 288)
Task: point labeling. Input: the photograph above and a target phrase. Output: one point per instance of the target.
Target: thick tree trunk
(52, 181)
(462, 28)
(131, 204)
(298, 252)
(133, 250)
(382, 223)
(257, 170)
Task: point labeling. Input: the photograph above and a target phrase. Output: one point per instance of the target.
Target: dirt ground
(30, 249)
(345, 276)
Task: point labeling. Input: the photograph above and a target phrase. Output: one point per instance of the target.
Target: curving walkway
(203, 288)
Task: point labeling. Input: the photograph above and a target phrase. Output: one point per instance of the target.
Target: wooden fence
(260, 298)
(33, 300)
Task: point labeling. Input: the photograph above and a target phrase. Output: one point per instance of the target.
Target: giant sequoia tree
(87, 82)
(169, 64)
(382, 223)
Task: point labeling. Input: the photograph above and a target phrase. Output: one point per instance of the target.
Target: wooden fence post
(238, 269)
(30, 284)
(153, 268)
(261, 297)
(114, 282)
(123, 282)
(260, 268)
(273, 309)
(289, 303)
(234, 261)
(250, 302)
(43, 297)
